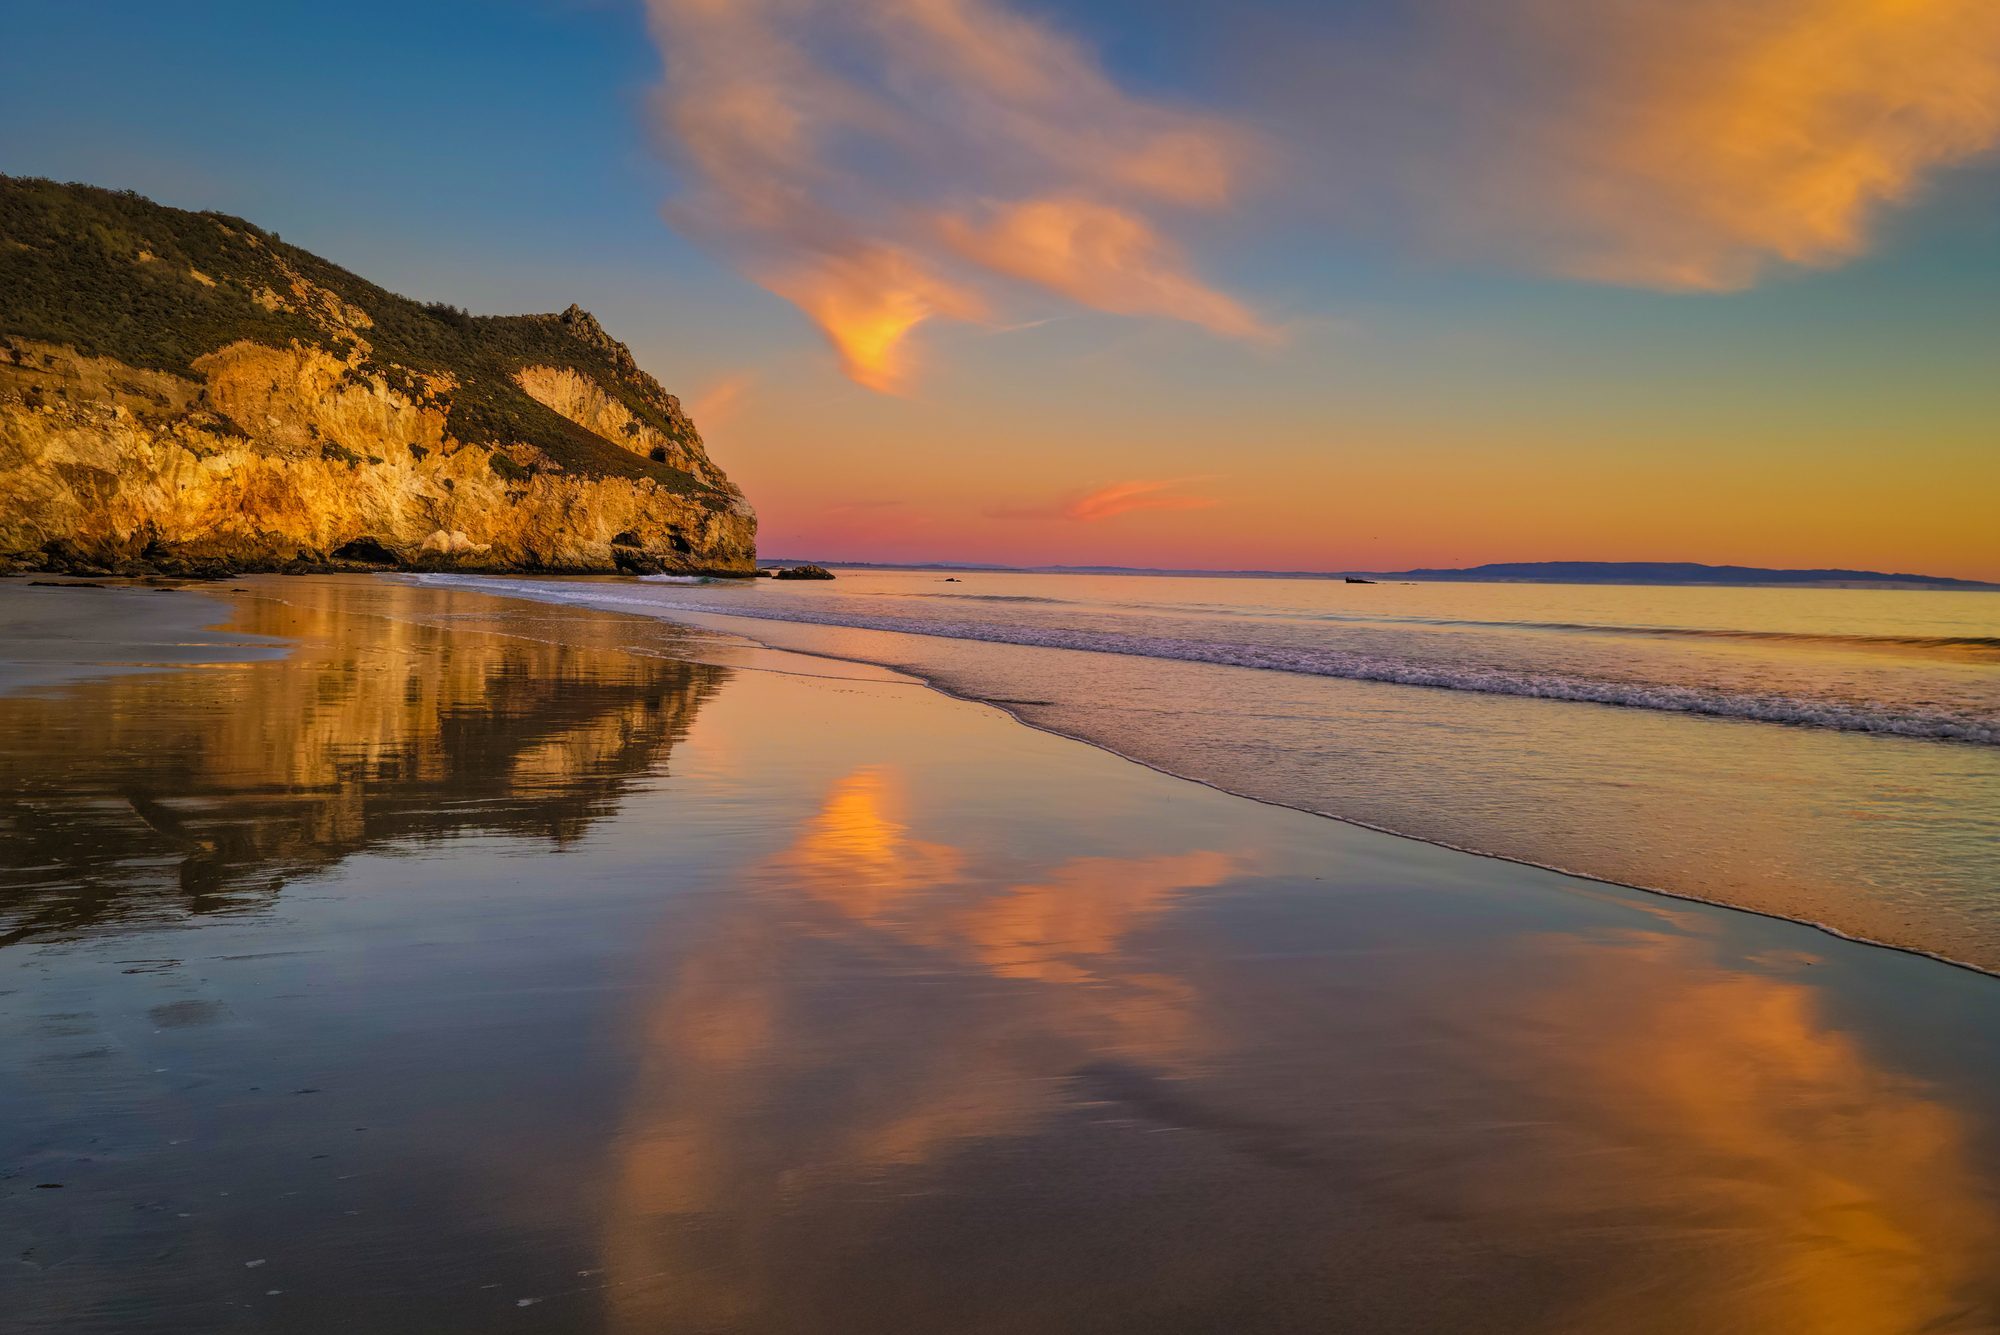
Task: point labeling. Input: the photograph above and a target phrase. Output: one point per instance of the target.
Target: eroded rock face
(583, 401)
(183, 391)
(296, 456)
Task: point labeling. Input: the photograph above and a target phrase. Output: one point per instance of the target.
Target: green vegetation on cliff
(113, 274)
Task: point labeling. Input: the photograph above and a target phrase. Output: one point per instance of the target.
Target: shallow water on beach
(488, 965)
(1829, 755)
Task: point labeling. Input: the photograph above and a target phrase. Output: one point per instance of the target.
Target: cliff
(184, 392)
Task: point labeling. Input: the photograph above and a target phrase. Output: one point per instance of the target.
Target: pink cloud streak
(1117, 499)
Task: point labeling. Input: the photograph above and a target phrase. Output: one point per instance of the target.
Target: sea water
(1830, 755)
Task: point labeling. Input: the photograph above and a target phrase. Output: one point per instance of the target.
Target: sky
(1307, 284)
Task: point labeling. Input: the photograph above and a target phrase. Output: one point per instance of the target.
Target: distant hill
(1679, 572)
(1516, 572)
(186, 392)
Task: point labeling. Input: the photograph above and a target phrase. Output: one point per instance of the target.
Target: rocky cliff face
(182, 392)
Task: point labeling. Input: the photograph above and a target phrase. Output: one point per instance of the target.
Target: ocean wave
(1798, 711)
(1956, 645)
(1972, 644)
(992, 598)
(1827, 639)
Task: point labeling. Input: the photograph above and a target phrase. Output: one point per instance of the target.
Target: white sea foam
(1910, 721)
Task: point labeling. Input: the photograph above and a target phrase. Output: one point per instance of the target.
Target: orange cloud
(823, 140)
(1020, 89)
(717, 403)
(867, 303)
(1692, 144)
(1125, 497)
(1098, 256)
(1117, 499)
(885, 163)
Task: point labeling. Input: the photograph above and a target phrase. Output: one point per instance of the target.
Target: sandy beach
(67, 630)
(474, 963)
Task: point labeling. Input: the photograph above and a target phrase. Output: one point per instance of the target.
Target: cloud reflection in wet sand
(731, 1053)
(1812, 1188)
(1575, 1131)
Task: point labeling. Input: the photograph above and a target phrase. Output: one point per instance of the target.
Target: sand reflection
(764, 1078)
(1578, 1133)
(859, 858)
(1798, 1181)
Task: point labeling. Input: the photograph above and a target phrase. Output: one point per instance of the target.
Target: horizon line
(1498, 571)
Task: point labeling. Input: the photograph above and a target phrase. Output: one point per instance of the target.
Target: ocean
(1826, 755)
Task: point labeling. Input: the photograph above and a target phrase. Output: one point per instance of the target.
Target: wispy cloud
(881, 163)
(886, 163)
(717, 403)
(1098, 256)
(1671, 144)
(1707, 139)
(1125, 497)
(1117, 499)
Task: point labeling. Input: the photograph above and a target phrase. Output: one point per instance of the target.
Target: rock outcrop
(182, 392)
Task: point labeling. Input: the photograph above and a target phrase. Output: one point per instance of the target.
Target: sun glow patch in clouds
(867, 302)
(878, 163)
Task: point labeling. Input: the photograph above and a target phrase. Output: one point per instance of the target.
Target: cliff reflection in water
(403, 715)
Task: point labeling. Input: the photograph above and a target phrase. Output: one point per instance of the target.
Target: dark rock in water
(952, 579)
(1356, 579)
(802, 572)
(766, 574)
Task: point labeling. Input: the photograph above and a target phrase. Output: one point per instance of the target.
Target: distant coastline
(1498, 572)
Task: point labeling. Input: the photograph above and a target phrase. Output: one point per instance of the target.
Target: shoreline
(199, 654)
(146, 633)
(1779, 712)
(694, 619)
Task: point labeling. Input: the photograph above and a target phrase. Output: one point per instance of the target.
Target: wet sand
(483, 965)
(54, 631)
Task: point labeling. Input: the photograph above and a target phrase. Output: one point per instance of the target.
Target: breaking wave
(1327, 661)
